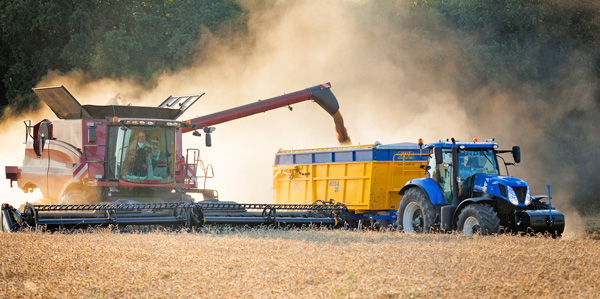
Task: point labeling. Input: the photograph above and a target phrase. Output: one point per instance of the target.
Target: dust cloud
(12, 151)
(392, 87)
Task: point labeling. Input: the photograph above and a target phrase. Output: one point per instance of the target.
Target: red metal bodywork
(72, 158)
(321, 94)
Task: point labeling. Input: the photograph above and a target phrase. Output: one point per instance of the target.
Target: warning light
(115, 119)
(188, 122)
(475, 140)
(420, 141)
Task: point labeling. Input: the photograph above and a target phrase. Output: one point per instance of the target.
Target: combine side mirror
(208, 140)
(43, 134)
(439, 159)
(516, 151)
(207, 132)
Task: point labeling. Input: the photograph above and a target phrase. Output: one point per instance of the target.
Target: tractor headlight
(527, 198)
(512, 196)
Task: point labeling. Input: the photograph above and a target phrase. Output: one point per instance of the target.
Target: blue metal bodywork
(478, 183)
(377, 152)
(353, 218)
(466, 145)
(492, 184)
(429, 187)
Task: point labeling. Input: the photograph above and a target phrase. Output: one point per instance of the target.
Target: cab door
(440, 170)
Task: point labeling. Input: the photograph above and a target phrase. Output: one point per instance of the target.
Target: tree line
(105, 38)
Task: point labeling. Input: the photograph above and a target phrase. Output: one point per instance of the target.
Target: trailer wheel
(478, 218)
(416, 214)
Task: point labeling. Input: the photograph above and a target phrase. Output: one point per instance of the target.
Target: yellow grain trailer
(365, 178)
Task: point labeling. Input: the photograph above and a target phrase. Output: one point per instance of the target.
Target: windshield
(476, 161)
(146, 155)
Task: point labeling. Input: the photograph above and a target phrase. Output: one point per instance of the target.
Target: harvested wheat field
(301, 264)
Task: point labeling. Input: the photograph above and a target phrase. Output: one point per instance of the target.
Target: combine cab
(94, 154)
(128, 157)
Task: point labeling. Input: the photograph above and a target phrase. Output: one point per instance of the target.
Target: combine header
(176, 215)
(125, 165)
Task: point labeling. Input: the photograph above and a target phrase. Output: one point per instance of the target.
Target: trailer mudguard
(427, 185)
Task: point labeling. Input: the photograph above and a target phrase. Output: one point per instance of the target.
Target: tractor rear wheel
(478, 218)
(416, 214)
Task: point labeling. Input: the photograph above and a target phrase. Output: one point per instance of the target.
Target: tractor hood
(514, 190)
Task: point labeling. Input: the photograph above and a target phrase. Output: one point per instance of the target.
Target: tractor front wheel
(478, 218)
(416, 214)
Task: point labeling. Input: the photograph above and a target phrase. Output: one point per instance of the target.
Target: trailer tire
(478, 218)
(416, 214)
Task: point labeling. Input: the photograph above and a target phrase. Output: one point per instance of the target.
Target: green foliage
(536, 51)
(107, 38)
(544, 55)
(514, 41)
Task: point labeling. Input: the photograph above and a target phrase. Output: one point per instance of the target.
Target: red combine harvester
(125, 165)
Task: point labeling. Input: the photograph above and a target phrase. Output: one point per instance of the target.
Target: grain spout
(340, 129)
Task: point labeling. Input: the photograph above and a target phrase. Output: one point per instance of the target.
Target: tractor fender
(466, 202)
(428, 186)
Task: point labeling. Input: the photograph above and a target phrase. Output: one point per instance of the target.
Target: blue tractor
(464, 191)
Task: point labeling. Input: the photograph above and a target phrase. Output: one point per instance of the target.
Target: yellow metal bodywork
(362, 186)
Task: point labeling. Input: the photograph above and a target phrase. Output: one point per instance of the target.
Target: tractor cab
(471, 158)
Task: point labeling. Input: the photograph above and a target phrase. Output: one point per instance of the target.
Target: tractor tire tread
(489, 220)
(417, 195)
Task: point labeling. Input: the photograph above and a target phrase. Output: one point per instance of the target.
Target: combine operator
(146, 156)
(141, 156)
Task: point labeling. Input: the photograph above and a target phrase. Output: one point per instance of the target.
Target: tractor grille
(521, 192)
(502, 190)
